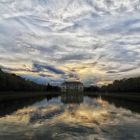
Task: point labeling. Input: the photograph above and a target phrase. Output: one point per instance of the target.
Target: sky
(95, 41)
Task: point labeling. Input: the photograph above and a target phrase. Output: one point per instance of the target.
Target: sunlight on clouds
(95, 41)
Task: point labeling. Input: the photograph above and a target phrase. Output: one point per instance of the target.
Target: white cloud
(72, 34)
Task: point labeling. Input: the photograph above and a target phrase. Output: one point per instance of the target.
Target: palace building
(72, 86)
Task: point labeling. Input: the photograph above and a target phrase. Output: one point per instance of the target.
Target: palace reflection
(72, 98)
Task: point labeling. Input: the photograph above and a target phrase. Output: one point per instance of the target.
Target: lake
(69, 117)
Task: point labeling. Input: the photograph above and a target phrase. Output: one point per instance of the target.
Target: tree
(124, 85)
(12, 82)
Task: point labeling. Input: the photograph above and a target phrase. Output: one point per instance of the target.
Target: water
(68, 118)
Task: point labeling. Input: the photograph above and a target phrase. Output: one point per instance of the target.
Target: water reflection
(8, 107)
(71, 117)
(72, 98)
(131, 105)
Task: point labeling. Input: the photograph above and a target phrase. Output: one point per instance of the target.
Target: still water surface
(70, 118)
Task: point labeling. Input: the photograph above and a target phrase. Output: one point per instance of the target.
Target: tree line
(91, 88)
(12, 82)
(124, 85)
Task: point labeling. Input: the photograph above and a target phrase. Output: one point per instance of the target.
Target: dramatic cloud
(96, 41)
(41, 67)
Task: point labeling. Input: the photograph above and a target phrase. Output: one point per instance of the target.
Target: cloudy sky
(96, 41)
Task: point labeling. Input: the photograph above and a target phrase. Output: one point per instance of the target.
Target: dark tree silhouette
(124, 85)
(91, 89)
(12, 82)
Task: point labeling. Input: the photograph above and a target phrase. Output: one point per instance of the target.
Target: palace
(72, 86)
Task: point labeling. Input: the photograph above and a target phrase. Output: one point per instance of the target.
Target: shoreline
(6, 96)
(11, 95)
(122, 96)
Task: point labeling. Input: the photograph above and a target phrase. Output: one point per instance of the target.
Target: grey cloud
(75, 57)
(128, 69)
(122, 70)
(45, 75)
(91, 33)
(40, 67)
(15, 69)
